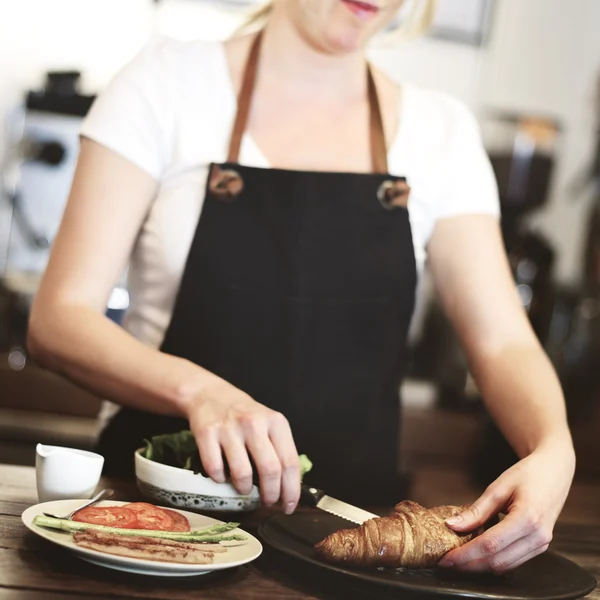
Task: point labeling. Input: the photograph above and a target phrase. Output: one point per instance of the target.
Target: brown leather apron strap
(244, 100)
(377, 132)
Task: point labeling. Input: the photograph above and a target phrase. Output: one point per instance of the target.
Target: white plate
(235, 555)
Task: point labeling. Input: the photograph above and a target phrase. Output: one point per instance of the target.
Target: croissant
(412, 537)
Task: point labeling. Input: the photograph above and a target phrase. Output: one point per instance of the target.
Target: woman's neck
(289, 57)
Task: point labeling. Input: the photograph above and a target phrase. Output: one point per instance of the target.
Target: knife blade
(316, 498)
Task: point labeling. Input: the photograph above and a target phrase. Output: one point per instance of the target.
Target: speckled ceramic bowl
(180, 488)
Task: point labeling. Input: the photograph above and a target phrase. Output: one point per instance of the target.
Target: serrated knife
(316, 498)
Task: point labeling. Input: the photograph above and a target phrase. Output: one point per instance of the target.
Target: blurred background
(529, 70)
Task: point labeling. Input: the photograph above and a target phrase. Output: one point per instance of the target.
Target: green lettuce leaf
(174, 449)
(180, 450)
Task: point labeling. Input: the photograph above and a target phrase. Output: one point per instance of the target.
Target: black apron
(299, 288)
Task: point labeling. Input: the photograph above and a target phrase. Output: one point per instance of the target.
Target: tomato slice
(151, 517)
(109, 516)
(180, 522)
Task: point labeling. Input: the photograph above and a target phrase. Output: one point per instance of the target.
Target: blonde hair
(419, 19)
(257, 17)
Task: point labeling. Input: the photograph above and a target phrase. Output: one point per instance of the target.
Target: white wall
(543, 55)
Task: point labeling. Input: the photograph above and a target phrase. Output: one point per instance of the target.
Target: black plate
(546, 577)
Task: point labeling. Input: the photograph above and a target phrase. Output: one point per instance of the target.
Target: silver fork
(102, 495)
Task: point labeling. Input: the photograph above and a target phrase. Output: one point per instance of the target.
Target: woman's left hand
(531, 494)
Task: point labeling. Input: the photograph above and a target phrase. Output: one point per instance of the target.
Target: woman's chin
(344, 42)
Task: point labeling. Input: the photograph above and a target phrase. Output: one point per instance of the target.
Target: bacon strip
(157, 549)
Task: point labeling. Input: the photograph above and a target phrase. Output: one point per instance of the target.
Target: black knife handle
(310, 496)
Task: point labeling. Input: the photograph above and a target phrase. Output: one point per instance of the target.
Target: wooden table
(32, 569)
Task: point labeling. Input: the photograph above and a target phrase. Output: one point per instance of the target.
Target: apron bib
(299, 289)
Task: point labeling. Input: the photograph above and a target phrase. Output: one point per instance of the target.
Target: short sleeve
(468, 183)
(132, 115)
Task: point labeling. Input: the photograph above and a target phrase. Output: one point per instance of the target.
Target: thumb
(488, 505)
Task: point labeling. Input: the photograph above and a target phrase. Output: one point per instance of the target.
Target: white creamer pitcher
(66, 473)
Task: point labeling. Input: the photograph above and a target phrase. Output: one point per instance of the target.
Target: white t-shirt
(170, 111)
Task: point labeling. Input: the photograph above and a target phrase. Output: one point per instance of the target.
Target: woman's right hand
(227, 422)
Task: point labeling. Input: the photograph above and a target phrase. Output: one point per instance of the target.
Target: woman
(270, 312)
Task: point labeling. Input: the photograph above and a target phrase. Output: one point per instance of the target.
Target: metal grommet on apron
(393, 194)
(301, 296)
(225, 184)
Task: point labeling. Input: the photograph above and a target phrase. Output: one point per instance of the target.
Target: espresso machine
(42, 146)
(521, 149)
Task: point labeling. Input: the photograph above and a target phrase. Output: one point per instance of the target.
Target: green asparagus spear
(214, 529)
(208, 535)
